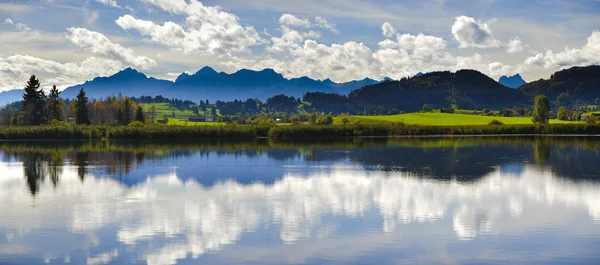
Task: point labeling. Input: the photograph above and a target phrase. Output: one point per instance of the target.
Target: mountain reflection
(161, 205)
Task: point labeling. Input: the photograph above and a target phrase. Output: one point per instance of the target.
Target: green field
(165, 109)
(437, 119)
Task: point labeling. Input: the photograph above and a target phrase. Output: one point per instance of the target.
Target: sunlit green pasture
(437, 119)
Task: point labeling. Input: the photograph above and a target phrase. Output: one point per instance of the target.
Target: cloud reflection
(184, 219)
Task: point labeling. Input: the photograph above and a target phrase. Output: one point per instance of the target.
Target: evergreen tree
(81, 109)
(127, 111)
(32, 111)
(54, 106)
(541, 110)
(139, 115)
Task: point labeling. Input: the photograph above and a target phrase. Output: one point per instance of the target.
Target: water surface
(365, 201)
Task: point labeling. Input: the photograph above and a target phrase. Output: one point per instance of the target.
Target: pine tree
(32, 111)
(81, 109)
(127, 111)
(139, 115)
(54, 106)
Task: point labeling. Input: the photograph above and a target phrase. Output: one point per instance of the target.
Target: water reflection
(375, 201)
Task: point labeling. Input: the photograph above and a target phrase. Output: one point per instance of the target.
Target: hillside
(467, 89)
(581, 83)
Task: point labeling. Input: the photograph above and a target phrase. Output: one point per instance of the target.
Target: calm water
(397, 201)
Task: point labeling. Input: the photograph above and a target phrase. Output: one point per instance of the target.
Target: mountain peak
(129, 73)
(206, 70)
(514, 81)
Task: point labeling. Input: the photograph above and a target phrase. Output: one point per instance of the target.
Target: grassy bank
(438, 119)
(279, 132)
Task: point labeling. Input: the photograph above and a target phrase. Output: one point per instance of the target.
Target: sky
(67, 42)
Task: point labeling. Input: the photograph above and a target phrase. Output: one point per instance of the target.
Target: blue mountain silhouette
(514, 81)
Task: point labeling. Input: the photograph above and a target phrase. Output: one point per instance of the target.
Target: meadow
(438, 119)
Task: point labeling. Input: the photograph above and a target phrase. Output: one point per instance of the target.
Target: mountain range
(468, 89)
(514, 81)
(202, 85)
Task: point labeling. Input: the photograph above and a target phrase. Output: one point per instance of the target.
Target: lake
(486, 200)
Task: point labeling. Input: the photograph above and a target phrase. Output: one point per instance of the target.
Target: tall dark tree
(541, 110)
(32, 111)
(139, 115)
(54, 105)
(81, 109)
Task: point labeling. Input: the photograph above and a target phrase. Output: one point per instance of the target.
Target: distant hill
(581, 83)
(469, 89)
(514, 81)
(11, 96)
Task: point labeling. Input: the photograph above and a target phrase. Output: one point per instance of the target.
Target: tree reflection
(34, 171)
(81, 162)
(542, 152)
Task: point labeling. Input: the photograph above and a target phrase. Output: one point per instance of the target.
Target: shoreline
(246, 132)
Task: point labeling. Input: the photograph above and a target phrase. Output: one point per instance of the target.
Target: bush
(496, 122)
(346, 121)
(325, 120)
(136, 124)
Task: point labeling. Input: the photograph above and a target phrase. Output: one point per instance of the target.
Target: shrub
(346, 121)
(496, 122)
(136, 124)
(325, 120)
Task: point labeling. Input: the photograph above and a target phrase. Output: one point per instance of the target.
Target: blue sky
(67, 42)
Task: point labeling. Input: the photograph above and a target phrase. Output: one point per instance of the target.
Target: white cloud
(100, 45)
(323, 23)
(111, 3)
(515, 45)
(498, 69)
(388, 30)
(16, 69)
(209, 38)
(473, 34)
(8, 21)
(292, 21)
(586, 55)
(210, 30)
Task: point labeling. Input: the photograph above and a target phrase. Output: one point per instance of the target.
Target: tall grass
(413, 130)
(279, 132)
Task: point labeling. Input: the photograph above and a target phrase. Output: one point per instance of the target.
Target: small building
(447, 110)
(202, 119)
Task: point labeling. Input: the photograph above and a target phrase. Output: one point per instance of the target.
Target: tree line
(37, 108)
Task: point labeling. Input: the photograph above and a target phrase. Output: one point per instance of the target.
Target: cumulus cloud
(210, 39)
(8, 21)
(209, 30)
(16, 69)
(388, 30)
(515, 45)
(292, 21)
(405, 56)
(323, 23)
(111, 3)
(586, 55)
(100, 45)
(473, 34)
(499, 69)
